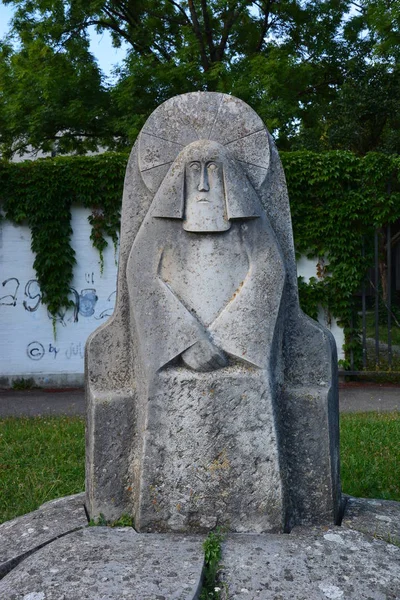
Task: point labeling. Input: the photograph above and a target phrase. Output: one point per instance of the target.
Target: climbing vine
(41, 194)
(337, 201)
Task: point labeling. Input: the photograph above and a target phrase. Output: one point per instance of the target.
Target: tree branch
(197, 31)
(313, 88)
(266, 24)
(208, 29)
(181, 10)
(179, 7)
(229, 21)
(134, 22)
(142, 51)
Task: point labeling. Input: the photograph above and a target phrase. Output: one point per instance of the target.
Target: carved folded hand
(204, 356)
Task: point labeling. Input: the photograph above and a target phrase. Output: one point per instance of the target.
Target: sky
(100, 45)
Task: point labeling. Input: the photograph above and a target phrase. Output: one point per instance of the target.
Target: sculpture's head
(206, 188)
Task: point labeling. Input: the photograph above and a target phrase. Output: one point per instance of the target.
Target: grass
(43, 458)
(370, 455)
(40, 459)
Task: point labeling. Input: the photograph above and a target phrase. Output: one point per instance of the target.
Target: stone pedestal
(210, 454)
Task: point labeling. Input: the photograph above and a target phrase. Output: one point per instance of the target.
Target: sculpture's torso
(205, 271)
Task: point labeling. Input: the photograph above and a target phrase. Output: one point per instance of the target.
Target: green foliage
(123, 521)
(337, 200)
(23, 384)
(212, 557)
(41, 193)
(370, 455)
(41, 458)
(323, 74)
(51, 99)
(101, 521)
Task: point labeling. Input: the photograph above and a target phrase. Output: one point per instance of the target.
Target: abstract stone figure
(212, 399)
(205, 274)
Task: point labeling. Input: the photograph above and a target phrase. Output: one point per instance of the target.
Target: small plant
(390, 539)
(23, 384)
(101, 521)
(123, 521)
(212, 556)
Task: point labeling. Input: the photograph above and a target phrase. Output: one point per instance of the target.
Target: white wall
(27, 345)
(307, 268)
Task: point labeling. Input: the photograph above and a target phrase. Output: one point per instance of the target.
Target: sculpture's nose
(203, 185)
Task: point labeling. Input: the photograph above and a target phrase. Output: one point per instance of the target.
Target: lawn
(43, 458)
(40, 459)
(370, 455)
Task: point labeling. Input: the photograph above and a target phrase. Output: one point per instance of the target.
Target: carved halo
(199, 115)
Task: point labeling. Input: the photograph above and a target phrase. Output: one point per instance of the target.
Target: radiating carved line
(156, 166)
(244, 136)
(216, 117)
(162, 138)
(252, 164)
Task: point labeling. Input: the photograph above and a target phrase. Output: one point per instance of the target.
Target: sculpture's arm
(203, 355)
(246, 326)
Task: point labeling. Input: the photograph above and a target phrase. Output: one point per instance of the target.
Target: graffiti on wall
(10, 299)
(37, 350)
(83, 302)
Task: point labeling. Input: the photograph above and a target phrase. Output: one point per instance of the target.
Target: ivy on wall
(337, 201)
(41, 193)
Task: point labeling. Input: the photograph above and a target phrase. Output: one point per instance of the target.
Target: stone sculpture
(212, 399)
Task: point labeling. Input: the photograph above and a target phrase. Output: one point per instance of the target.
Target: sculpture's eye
(212, 167)
(194, 166)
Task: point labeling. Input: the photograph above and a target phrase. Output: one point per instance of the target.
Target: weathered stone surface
(379, 518)
(311, 455)
(110, 435)
(100, 563)
(23, 535)
(310, 563)
(217, 448)
(207, 284)
(205, 279)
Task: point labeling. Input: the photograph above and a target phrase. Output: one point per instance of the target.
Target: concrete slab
(24, 535)
(110, 564)
(103, 563)
(378, 518)
(317, 563)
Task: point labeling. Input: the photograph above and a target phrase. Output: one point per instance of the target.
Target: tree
(50, 99)
(292, 60)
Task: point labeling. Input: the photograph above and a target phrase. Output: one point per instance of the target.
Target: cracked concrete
(25, 535)
(350, 562)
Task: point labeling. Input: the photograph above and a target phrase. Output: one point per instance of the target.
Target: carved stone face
(207, 188)
(205, 204)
